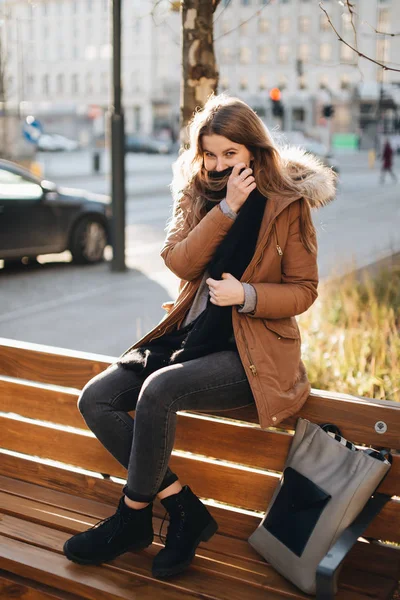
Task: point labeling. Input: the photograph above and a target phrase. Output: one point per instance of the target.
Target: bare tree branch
(384, 67)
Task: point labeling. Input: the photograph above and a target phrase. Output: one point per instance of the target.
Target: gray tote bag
(325, 484)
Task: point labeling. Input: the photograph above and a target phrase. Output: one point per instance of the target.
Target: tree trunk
(199, 68)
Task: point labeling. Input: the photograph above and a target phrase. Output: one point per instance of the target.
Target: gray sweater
(200, 300)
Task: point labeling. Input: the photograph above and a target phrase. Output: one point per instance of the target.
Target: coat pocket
(283, 344)
(296, 510)
(286, 328)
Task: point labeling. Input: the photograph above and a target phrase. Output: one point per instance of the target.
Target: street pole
(117, 148)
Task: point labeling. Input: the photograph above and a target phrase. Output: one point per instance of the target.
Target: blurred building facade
(58, 62)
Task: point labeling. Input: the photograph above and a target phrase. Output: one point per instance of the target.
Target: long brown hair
(234, 119)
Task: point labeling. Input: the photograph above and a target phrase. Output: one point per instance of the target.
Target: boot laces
(119, 524)
(175, 527)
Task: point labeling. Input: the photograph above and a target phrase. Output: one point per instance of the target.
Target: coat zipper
(252, 366)
(279, 249)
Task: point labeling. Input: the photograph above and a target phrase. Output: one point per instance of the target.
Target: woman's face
(219, 153)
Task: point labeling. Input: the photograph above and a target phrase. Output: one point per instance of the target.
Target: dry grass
(351, 341)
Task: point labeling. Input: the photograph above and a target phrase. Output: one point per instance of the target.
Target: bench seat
(56, 480)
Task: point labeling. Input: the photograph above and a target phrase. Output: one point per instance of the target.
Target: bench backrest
(229, 461)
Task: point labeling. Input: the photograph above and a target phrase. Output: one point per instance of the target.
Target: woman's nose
(220, 166)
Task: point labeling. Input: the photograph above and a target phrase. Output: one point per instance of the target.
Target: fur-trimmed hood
(315, 182)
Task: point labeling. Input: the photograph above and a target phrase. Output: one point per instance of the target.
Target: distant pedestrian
(387, 162)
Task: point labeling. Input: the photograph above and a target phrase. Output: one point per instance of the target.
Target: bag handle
(382, 455)
(332, 428)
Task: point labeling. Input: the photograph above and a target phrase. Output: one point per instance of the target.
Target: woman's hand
(239, 186)
(226, 292)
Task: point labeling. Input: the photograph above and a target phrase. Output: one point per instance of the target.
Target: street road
(92, 309)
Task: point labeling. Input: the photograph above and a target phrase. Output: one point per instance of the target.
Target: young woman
(243, 244)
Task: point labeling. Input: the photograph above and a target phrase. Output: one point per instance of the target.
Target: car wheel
(88, 241)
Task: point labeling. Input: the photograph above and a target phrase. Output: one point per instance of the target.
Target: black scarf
(212, 330)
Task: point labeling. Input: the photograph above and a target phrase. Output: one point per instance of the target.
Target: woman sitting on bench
(242, 241)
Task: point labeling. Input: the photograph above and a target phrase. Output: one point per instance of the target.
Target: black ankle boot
(190, 524)
(127, 529)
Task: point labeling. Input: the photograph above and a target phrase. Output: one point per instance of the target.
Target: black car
(38, 217)
(144, 143)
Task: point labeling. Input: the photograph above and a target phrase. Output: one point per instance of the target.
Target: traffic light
(328, 111)
(277, 106)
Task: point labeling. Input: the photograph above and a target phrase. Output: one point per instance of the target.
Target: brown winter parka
(285, 277)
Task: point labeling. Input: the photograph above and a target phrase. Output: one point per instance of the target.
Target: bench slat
(204, 481)
(381, 560)
(57, 368)
(255, 573)
(246, 445)
(355, 416)
(239, 487)
(12, 588)
(93, 583)
(141, 563)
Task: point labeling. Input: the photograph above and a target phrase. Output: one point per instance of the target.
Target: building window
(75, 51)
(106, 51)
(346, 22)
(245, 2)
(325, 52)
(90, 52)
(31, 84)
(224, 83)
(89, 5)
(283, 54)
(263, 54)
(244, 29)
(347, 55)
(304, 24)
(262, 84)
(243, 84)
(323, 82)
(45, 8)
(304, 52)
(60, 83)
(244, 55)
(226, 55)
(45, 85)
(324, 23)
(383, 18)
(382, 50)
(284, 25)
(89, 83)
(74, 7)
(282, 82)
(137, 118)
(345, 82)
(263, 25)
(74, 84)
(104, 82)
(302, 82)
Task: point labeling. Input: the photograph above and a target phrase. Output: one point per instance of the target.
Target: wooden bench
(56, 479)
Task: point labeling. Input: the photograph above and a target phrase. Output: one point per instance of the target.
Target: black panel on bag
(296, 510)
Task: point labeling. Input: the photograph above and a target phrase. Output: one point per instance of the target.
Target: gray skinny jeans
(143, 445)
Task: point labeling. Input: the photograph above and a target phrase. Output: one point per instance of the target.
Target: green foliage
(351, 336)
